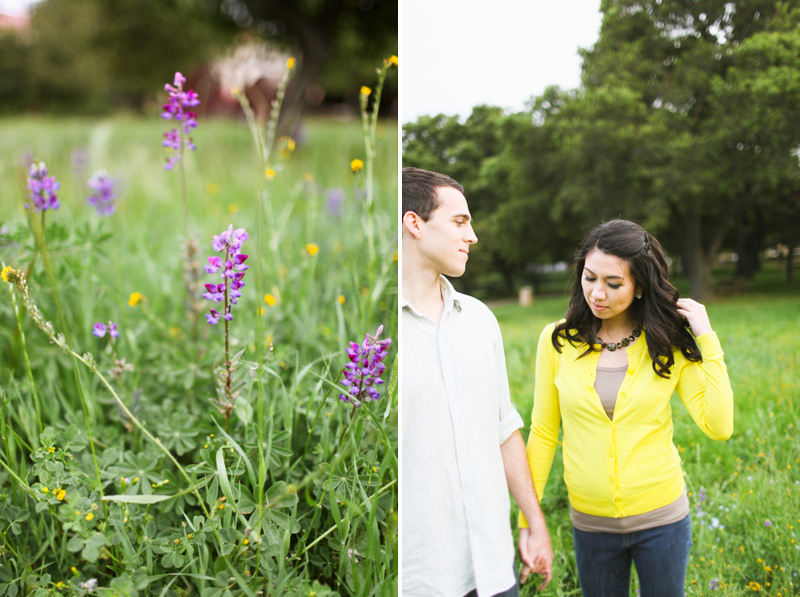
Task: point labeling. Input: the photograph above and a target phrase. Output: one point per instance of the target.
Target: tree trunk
(696, 261)
(790, 264)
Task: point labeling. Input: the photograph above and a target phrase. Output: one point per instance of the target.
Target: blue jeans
(660, 555)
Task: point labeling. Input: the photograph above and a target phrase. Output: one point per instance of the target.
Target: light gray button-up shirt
(456, 411)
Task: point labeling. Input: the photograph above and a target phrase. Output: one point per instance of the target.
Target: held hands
(695, 315)
(536, 554)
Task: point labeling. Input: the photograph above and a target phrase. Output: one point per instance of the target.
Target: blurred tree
(338, 41)
(16, 80)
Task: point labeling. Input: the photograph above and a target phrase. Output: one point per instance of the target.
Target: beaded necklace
(612, 346)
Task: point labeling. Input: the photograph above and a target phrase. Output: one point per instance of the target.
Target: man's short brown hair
(419, 190)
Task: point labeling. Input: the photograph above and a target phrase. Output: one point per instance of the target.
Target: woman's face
(608, 286)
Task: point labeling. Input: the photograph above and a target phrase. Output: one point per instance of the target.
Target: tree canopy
(686, 122)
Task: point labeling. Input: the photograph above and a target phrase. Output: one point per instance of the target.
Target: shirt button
(630, 351)
(611, 453)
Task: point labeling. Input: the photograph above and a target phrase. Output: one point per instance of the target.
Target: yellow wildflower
(270, 174)
(290, 62)
(392, 60)
(61, 494)
(134, 298)
(341, 299)
(246, 541)
(312, 249)
(270, 300)
(221, 506)
(394, 256)
(211, 188)
(233, 208)
(356, 165)
(89, 516)
(308, 177)
(45, 489)
(74, 570)
(365, 90)
(290, 145)
(60, 584)
(6, 270)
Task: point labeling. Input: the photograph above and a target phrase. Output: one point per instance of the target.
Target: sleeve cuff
(509, 425)
(709, 345)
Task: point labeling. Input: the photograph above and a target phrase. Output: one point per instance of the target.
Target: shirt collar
(449, 295)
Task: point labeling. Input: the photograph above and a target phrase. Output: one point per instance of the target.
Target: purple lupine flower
(41, 189)
(701, 496)
(713, 584)
(233, 268)
(334, 198)
(102, 199)
(178, 109)
(79, 158)
(100, 329)
(364, 370)
(767, 523)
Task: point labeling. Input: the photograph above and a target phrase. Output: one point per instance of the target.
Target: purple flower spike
(102, 198)
(178, 109)
(228, 292)
(363, 372)
(112, 329)
(41, 189)
(99, 330)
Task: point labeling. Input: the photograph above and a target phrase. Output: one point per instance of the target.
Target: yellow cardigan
(627, 466)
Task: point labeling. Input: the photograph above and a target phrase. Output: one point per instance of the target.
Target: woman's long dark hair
(656, 311)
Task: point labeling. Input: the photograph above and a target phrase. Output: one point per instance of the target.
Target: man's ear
(412, 223)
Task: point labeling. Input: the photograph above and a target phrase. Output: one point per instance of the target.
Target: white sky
(456, 54)
(15, 7)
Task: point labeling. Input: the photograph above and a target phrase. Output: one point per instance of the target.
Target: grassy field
(297, 492)
(744, 493)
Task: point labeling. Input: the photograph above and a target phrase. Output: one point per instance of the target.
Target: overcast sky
(14, 7)
(456, 54)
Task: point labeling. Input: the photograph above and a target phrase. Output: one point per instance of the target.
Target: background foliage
(686, 122)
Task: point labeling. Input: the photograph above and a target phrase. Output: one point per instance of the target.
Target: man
(462, 449)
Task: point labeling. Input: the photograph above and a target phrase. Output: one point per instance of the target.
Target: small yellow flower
(189, 536)
(290, 145)
(270, 300)
(341, 299)
(74, 570)
(365, 90)
(221, 506)
(290, 62)
(60, 584)
(261, 311)
(45, 489)
(89, 516)
(312, 249)
(6, 270)
(61, 495)
(270, 174)
(374, 469)
(394, 256)
(174, 331)
(212, 188)
(246, 541)
(308, 177)
(233, 208)
(392, 60)
(356, 165)
(177, 541)
(134, 298)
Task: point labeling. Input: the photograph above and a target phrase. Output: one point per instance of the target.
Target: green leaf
(75, 544)
(137, 499)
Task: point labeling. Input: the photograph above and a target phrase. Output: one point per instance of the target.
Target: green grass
(751, 482)
(300, 496)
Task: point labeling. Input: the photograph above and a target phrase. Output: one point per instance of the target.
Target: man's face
(447, 234)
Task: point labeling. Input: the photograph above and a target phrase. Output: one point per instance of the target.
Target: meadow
(180, 457)
(744, 492)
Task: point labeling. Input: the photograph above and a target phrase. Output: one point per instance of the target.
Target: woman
(606, 373)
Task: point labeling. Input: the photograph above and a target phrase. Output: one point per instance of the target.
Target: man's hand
(536, 554)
